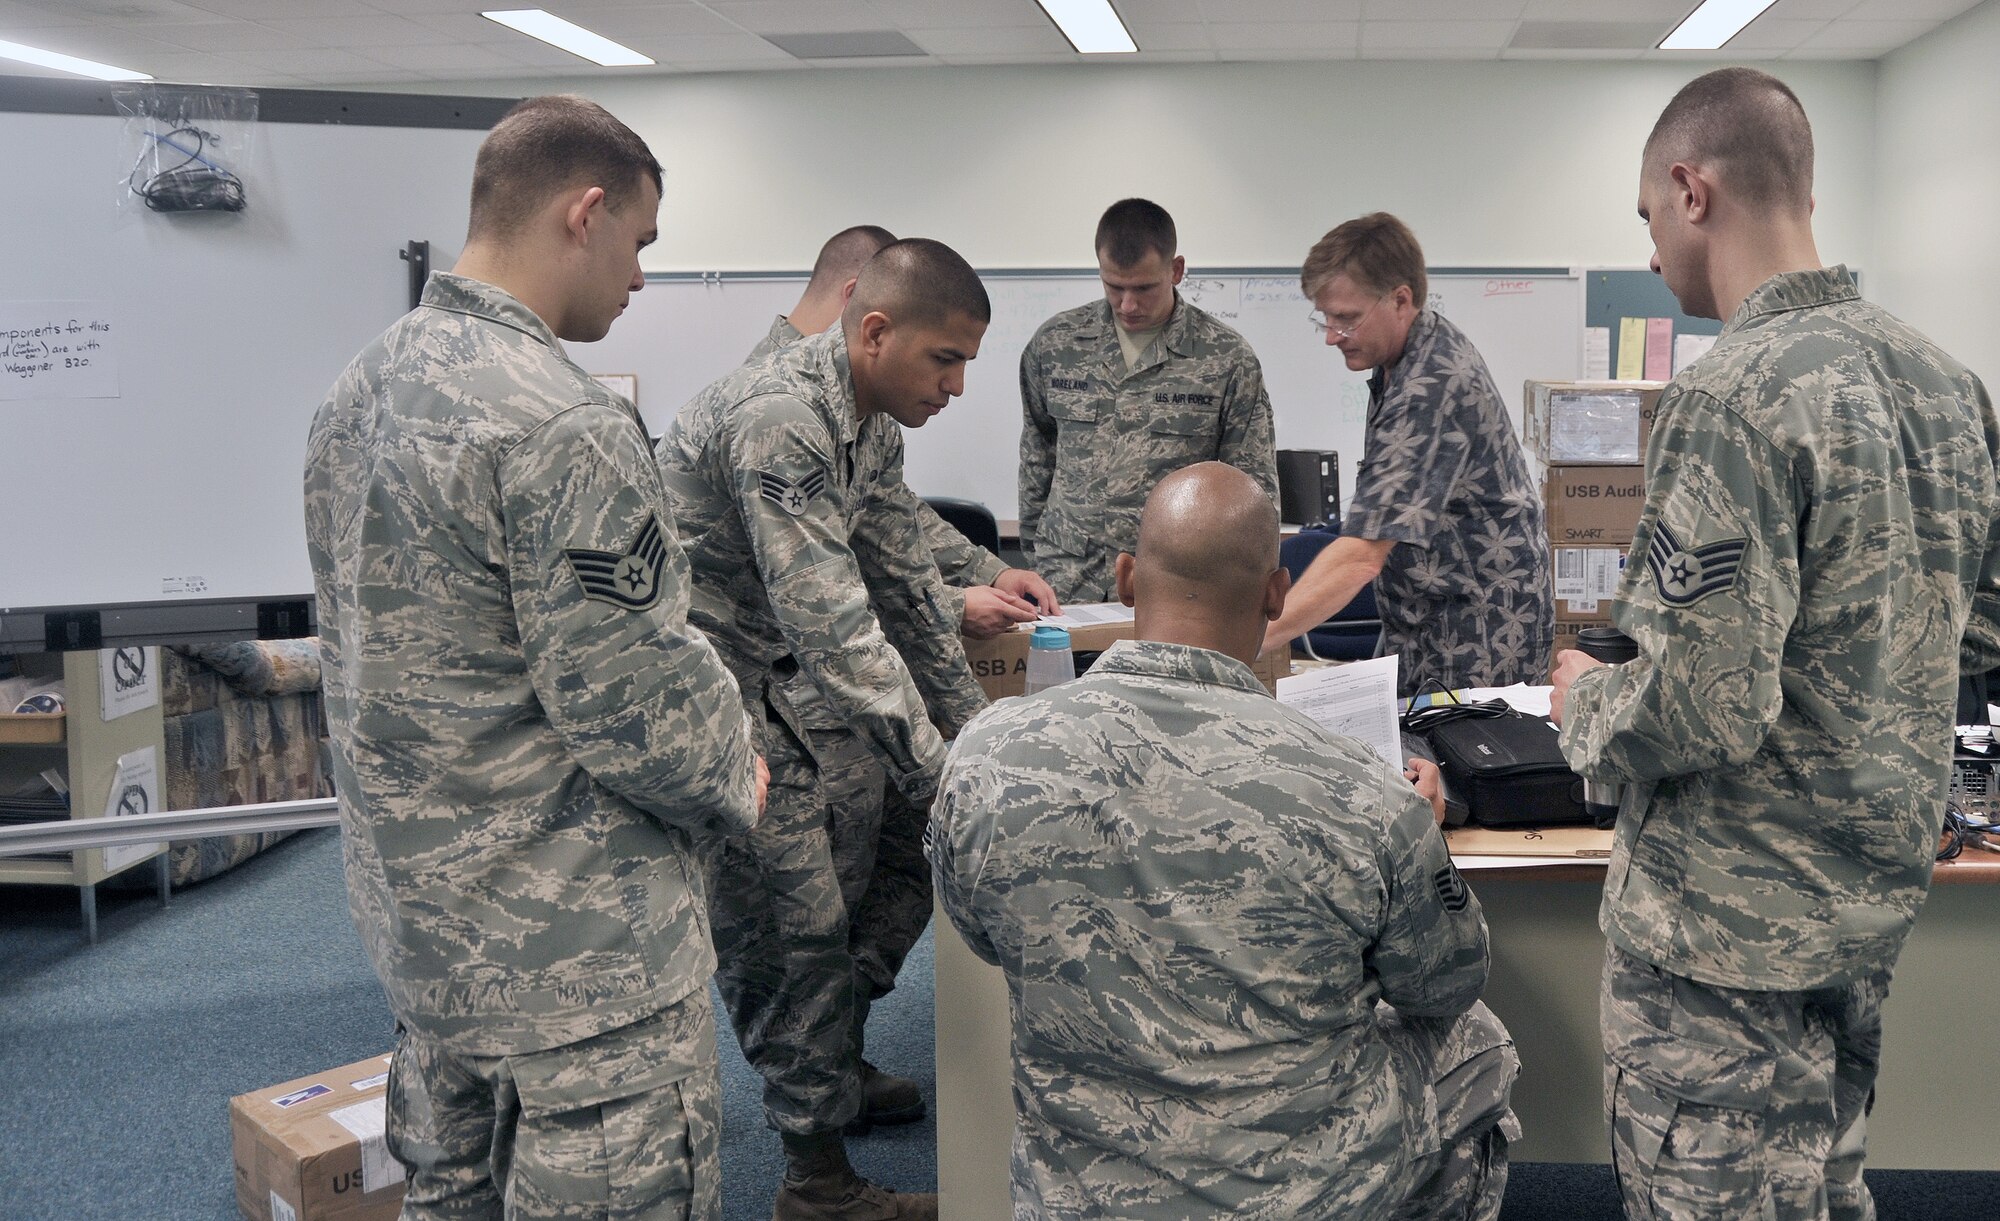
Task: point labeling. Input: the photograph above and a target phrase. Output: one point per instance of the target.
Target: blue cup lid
(1046, 637)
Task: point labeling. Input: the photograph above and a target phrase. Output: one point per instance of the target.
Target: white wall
(1937, 180)
(1515, 163)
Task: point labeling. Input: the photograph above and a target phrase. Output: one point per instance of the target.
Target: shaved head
(918, 282)
(845, 254)
(1749, 128)
(1206, 573)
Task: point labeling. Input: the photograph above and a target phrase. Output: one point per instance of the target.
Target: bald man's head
(1206, 572)
(845, 254)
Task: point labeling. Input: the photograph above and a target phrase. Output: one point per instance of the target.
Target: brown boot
(819, 1185)
(885, 1099)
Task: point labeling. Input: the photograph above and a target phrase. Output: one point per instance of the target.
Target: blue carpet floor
(117, 1061)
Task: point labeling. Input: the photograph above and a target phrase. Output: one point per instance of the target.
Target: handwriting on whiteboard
(57, 350)
(1509, 288)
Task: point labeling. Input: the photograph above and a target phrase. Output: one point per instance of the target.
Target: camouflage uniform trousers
(1078, 578)
(878, 854)
(1731, 1103)
(1471, 1066)
(624, 1124)
(781, 928)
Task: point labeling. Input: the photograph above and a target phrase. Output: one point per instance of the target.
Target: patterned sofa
(243, 725)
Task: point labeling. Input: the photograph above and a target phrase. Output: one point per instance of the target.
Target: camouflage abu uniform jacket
(1818, 538)
(527, 736)
(1197, 896)
(961, 563)
(1096, 438)
(805, 547)
(1468, 598)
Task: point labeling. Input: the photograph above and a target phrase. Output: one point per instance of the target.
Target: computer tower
(1309, 486)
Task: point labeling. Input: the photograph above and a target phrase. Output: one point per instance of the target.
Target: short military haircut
(919, 282)
(1376, 251)
(1132, 228)
(846, 253)
(551, 144)
(1746, 125)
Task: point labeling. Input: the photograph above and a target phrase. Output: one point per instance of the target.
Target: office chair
(970, 518)
(1350, 635)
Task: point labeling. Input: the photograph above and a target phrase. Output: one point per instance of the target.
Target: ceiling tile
(15, 18)
(1007, 40)
(1170, 36)
(1289, 55)
(226, 37)
(821, 17)
(1442, 10)
(134, 12)
(957, 14)
(1669, 11)
(380, 30)
(316, 62)
(1430, 54)
(1436, 35)
(1569, 53)
(189, 67)
(875, 61)
(1294, 12)
(1910, 10)
(267, 10)
(1868, 35)
(1158, 10)
(1811, 10)
(1278, 35)
(628, 20)
(457, 57)
(1768, 34)
(708, 49)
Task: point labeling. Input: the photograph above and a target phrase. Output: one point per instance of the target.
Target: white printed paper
(57, 350)
(134, 790)
(1690, 348)
(1586, 576)
(280, 1210)
(367, 1120)
(1596, 353)
(1357, 699)
(128, 680)
(1087, 614)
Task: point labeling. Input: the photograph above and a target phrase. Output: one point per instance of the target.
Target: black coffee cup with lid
(1601, 798)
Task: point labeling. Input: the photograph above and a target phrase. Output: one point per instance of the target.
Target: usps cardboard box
(1001, 664)
(1590, 422)
(313, 1149)
(1593, 506)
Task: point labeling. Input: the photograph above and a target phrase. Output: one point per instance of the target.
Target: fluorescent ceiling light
(68, 63)
(567, 36)
(1713, 24)
(1092, 26)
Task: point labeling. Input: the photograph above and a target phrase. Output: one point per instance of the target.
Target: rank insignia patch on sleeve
(1451, 889)
(791, 497)
(1685, 575)
(628, 579)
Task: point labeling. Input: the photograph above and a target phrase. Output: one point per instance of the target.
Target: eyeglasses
(1342, 330)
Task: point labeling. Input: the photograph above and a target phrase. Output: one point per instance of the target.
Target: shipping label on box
(1586, 579)
(1593, 506)
(1600, 422)
(316, 1149)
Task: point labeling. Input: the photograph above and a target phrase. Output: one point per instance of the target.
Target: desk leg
(89, 893)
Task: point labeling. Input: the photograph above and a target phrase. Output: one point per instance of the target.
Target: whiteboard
(682, 332)
(185, 487)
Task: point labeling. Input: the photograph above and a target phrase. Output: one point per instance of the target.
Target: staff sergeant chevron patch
(1451, 888)
(791, 497)
(1685, 575)
(629, 579)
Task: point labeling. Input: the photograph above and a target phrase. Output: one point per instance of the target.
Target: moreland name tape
(313, 1149)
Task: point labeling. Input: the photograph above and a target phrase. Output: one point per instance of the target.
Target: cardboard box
(1587, 579)
(1001, 664)
(1591, 422)
(313, 1150)
(1593, 506)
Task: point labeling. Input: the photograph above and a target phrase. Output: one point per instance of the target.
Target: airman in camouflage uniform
(1102, 425)
(529, 741)
(1818, 556)
(877, 835)
(1444, 518)
(1243, 972)
(786, 477)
